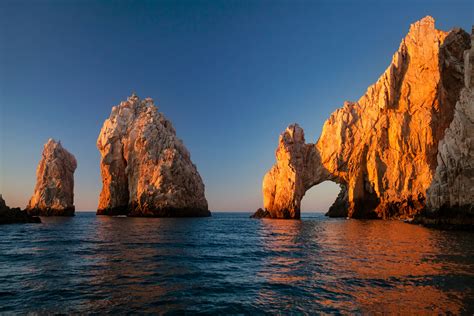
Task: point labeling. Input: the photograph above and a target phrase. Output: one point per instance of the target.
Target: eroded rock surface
(298, 167)
(54, 189)
(145, 168)
(15, 215)
(381, 149)
(450, 198)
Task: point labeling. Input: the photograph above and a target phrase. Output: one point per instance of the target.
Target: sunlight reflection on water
(229, 263)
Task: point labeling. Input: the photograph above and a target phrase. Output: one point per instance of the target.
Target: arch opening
(320, 197)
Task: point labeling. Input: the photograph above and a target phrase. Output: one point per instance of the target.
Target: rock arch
(298, 168)
(381, 149)
(320, 197)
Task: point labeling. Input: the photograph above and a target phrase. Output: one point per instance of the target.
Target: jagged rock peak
(381, 149)
(54, 189)
(146, 169)
(427, 21)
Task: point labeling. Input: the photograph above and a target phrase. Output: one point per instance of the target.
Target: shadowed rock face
(145, 168)
(381, 149)
(450, 198)
(15, 215)
(54, 190)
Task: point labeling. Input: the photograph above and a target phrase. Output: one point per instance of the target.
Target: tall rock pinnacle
(54, 190)
(145, 168)
(381, 149)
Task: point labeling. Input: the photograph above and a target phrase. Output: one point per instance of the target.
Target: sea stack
(146, 169)
(54, 190)
(381, 149)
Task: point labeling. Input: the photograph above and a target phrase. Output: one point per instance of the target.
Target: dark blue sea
(231, 264)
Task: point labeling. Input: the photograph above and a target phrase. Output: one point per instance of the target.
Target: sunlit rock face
(381, 149)
(54, 190)
(298, 167)
(145, 168)
(451, 194)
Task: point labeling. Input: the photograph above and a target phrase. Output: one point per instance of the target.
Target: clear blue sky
(230, 75)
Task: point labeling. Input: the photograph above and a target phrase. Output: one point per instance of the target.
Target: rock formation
(298, 165)
(381, 149)
(15, 215)
(145, 168)
(260, 213)
(450, 198)
(54, 190)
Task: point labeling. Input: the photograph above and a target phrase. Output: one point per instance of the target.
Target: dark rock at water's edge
(171, 212)
(261, 213)
(164, 212)
(51, 211)
(15, 215)
(284, 214)
(340, 207)
(113, 211)
(448, 218)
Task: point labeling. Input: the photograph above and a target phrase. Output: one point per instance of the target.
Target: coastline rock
(450, 198)
(381, 149)
(341, 204)
(54, 189)
(260, 213)
(146, 170)
(15, 215)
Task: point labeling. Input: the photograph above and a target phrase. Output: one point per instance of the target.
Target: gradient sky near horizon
(230, 75)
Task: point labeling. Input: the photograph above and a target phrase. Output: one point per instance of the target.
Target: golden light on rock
(381, 149)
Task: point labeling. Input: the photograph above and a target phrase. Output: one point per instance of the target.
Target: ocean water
(232, 264)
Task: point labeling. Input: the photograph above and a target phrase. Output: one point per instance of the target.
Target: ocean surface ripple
(230, 264)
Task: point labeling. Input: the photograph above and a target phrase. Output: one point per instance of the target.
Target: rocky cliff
(145, 168)
(450, 197)
(381, 149)
(54, 189)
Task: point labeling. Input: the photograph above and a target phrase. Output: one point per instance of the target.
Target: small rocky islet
(146, 171)
(403, 151)
(54, 190)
